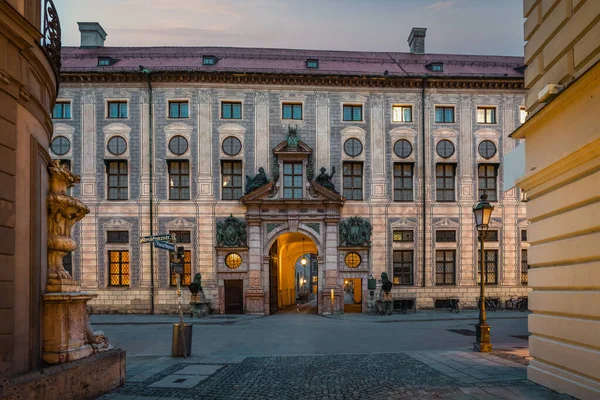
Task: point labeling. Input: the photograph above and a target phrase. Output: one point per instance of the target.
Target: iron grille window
(117, 180)
(444, 115)
(403, 267)
(231, 110)
(231, 178)
(117, 237)
(491, 236)
(491, 266)
(445, 267)
(444, 182)
(403, 182)
(62, 110)
(524, 267)
(292, 180)
(353, 185)
(353, 113)
(486, 115)
(186, 277)
(117, 109)
(119, 267)
(179, 109)
(523, 235)
(445, 236)
(291, 111)
(402, 114)
(182, 236)
(179, 180)
(487, 174)
(403, 236)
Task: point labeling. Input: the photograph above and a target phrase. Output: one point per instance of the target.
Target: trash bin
(176, 346)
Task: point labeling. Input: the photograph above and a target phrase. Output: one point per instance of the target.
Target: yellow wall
(563, 185)
(290, 249)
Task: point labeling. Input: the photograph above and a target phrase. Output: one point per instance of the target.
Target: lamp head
(483, 213)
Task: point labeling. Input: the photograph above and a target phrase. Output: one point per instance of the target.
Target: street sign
(148, 239)
(164, 245)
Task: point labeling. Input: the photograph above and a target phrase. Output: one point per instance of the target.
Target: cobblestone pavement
(407, 375)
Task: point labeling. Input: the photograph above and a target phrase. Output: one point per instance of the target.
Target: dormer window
(104, 61)
(312, 63)
(437, 67)
(209, 60)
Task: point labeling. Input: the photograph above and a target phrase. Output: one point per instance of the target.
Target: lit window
(312, 63)
(402, 113)
(179, 180)
(486, 115)
(522, 115)
(445, 267)
(231, 177)
(119, 268)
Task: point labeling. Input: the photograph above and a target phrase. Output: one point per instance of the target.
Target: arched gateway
(298, 203)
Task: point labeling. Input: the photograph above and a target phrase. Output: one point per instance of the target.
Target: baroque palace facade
(405, 141)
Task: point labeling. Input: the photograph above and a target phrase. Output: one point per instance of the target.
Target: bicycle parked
(452, 305)
(519, 303)
(489, 304)
(522, 304)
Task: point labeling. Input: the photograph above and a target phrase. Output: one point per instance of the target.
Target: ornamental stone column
(261, 131)
(323, 131)
(255, 294)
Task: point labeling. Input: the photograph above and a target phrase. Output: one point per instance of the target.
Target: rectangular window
(491, 266)
(486, 115)
(444, 182)
(403, 182)
(491, 235)
(62, 110)
(231, 178)
(437, 67)
(292, 180)
(353, 181)
(178, 109)
(209, 60)
(403, 267)
(117, 109)
(186, 277)
(445, 236)
(312, 63)
(182, 236)
(231, 110)
(103, 61)
(291, 111)
(117, 237)
(403, 236)
(118, 265)
(444, 115)
(353, 113)
(402, 113)
(179, 180)
(487, 174)
(117, 180)
(522, 115)
(445, 267)
(524, 267)
(523, 235)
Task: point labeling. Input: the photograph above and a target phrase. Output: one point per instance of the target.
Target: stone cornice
(457, 82)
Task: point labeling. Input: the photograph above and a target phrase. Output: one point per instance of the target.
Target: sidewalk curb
(418, 320)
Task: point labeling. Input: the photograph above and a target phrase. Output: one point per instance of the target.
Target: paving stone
(199, 370)
(178, 381)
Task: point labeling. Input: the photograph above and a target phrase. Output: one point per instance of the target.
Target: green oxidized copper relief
(355, 231)
(231, 232)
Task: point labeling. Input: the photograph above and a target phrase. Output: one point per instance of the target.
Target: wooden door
(273, 279)
(234, 296)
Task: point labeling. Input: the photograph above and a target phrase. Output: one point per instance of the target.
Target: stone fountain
(68, 334)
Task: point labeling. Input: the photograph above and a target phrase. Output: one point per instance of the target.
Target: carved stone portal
(68, 334)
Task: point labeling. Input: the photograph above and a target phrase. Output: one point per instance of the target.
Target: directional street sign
(164, 245)
(148, 239)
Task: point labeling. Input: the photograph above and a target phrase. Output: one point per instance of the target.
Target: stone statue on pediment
(258, 180)
(326, 180)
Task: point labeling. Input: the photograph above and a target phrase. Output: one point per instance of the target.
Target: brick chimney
(416, 40)
(92, 34)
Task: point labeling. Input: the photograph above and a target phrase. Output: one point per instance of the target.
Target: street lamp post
(483, 212)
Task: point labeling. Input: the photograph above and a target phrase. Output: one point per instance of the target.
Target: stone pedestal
(66, 326)
(482, 341)
(255, 301)
(199, 306)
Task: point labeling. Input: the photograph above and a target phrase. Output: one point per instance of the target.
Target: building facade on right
(562, 182)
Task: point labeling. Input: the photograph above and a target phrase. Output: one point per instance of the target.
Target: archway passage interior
(289, 280)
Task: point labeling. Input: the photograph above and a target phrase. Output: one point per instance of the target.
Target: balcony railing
(51, 40)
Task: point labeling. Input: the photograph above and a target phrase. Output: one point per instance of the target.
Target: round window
(117, 145)
(178, 145)
(352, 260)
(445, 148)
(487, 149)
(402, 148)
(232, 146)
(233, 260)
(60, 145)
(353, 147)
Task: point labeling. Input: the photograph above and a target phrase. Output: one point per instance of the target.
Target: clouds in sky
(453, 26)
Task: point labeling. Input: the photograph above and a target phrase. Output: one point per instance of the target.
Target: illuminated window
(186, 277)
(486, 115)
(118, 267)
(445, 267)
(402, 113)
(179, 180)
(231, 178)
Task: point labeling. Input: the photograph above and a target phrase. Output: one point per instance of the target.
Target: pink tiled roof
(287, 61)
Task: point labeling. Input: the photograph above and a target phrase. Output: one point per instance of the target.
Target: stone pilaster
(255, 295)
(323, 131)
(204, 179)
(261, 131)
(379, 241)
(331, 270)
(466, 273)
(378, 162)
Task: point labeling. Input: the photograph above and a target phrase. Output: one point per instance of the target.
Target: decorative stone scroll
(231, 232)
(355, 231)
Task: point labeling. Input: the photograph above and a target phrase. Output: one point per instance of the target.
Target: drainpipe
(423, 80)
(148, 73)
